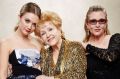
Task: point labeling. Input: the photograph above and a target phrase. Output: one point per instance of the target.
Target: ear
(87, 26)
(60, 28)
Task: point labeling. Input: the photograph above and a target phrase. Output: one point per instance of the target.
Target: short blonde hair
(53, 18)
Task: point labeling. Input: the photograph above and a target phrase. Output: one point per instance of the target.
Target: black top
(23, 60)
(104, 63)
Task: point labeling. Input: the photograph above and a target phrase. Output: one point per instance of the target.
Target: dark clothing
(22, 64)
(104, 63)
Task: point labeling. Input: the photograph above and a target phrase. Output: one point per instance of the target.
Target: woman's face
(97, 23)
(28, 23)
(50, 34)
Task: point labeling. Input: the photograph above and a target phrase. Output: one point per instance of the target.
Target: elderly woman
(63, 59)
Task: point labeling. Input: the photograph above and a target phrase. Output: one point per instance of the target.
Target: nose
(48, 34)
(97, 24)
(29, 26)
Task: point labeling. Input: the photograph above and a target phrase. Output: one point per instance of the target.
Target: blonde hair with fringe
(53, 18)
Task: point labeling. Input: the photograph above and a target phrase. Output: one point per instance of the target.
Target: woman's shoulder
(72, 42)
(75, 48)
(116, 35)
(6, 44)
(6, 40)
(37, 41)
(75, 44)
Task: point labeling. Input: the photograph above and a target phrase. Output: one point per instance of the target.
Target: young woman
(20, 49)
(63, 59)
(103, 49)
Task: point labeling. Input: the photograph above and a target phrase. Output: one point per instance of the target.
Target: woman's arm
(111, 54)
(4, 55)
(44, 77)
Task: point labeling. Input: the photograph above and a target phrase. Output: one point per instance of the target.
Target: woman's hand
(44, 77)
(9, 69)
(40, 77)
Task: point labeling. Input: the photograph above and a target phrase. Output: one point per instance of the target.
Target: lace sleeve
(111, 54)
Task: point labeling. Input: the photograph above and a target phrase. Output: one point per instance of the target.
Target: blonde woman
(63, 59)
(21, 49)
(103, 49)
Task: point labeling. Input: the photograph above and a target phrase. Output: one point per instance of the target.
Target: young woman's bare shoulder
(6, 41)
(37, 41)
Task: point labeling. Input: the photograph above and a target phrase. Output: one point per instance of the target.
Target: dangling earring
(62, 35)
(88, 32)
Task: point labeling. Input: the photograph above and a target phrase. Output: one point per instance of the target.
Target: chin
(25, 33)
(97, 34)
(52, 43)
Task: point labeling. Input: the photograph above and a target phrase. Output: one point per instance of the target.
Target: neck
(20, 35)
(56, 47)
(97, 38)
